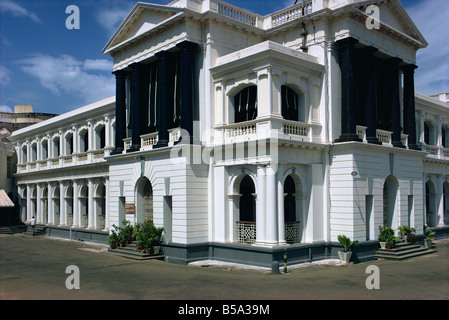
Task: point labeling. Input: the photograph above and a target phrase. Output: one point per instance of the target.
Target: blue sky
(56, 69)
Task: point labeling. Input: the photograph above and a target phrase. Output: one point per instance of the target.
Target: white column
(260, 206)
(280, 204)
(90, 206)
(62, 211)
(75, 140)
(90, 129)
(106, 217)
(76, 212)
(51, 215)
(38, 204)
(421, 126)
(440, 200)
(271, 206)
(29, 213)
(107, 139)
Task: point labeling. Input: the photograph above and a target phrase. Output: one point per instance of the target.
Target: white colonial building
(243, 135)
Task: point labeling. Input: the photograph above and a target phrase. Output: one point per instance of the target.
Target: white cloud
(432, 76)
(110, 19)
(98, 64)
(67, 75)
(17, 10)
(4, 108)
(4, 75)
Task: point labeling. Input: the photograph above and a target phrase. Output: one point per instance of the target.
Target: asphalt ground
(35, 269)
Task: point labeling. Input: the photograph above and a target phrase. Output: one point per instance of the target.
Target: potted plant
(347, 244)
(429, 235)
(386, 238)
(113, 239)
(149, 237)
(407, 233)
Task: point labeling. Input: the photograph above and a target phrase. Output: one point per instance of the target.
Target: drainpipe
(304, 47)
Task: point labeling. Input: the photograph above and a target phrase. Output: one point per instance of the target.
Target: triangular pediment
(394, 16)
(142, 18)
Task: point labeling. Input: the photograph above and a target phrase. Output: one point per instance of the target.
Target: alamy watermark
(373, 21)
(72, 21)
(373, 280)
(73, 280)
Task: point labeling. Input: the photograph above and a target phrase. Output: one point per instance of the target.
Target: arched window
(430, 204)
(84, 140)
(292, 104)
(429, 133)
(289, 200)
(247, 205)
(245, 104)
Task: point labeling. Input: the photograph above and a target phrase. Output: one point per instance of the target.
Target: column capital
(346, 42)
(187, 45)
(409, 68)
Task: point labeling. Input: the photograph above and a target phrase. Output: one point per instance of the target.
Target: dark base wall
(264, 256)
(77, 234)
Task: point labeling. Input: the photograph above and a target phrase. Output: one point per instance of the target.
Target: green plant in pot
(429, 235)
(407, 233)
(149, 237)
(113, 239)
(386, 238)
(347, 244)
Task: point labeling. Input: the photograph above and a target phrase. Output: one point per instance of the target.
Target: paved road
(35, 268)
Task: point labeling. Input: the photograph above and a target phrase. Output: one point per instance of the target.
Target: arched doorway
(390, 191)
(446, 202)
(144, 200)
(55, 206)
(100, 206)
(44, 206)
(292, 234)
(246, 226)
(83, 206)
(69, 205)
(430, 203)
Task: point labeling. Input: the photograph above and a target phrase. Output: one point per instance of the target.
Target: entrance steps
(403, 250)
(38, 230)
(129, 251)
(5, 230)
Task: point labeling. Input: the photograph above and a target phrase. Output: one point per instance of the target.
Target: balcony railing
(292, 13)
(147, 141)
(65, 160)
(246, 232)
(278, 18)
(236, 13)
(246, 128)
(296, 128)
(292, 232)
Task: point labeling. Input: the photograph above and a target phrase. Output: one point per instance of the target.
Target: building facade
(244, 135)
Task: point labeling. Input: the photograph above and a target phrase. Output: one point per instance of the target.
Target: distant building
(22, 117)
(441, 96)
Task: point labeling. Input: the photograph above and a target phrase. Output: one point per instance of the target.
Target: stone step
(404, 256)
(130, 251)
(5, 230)
(402, 251)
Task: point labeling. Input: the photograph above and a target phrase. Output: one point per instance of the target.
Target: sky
(57, 69)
